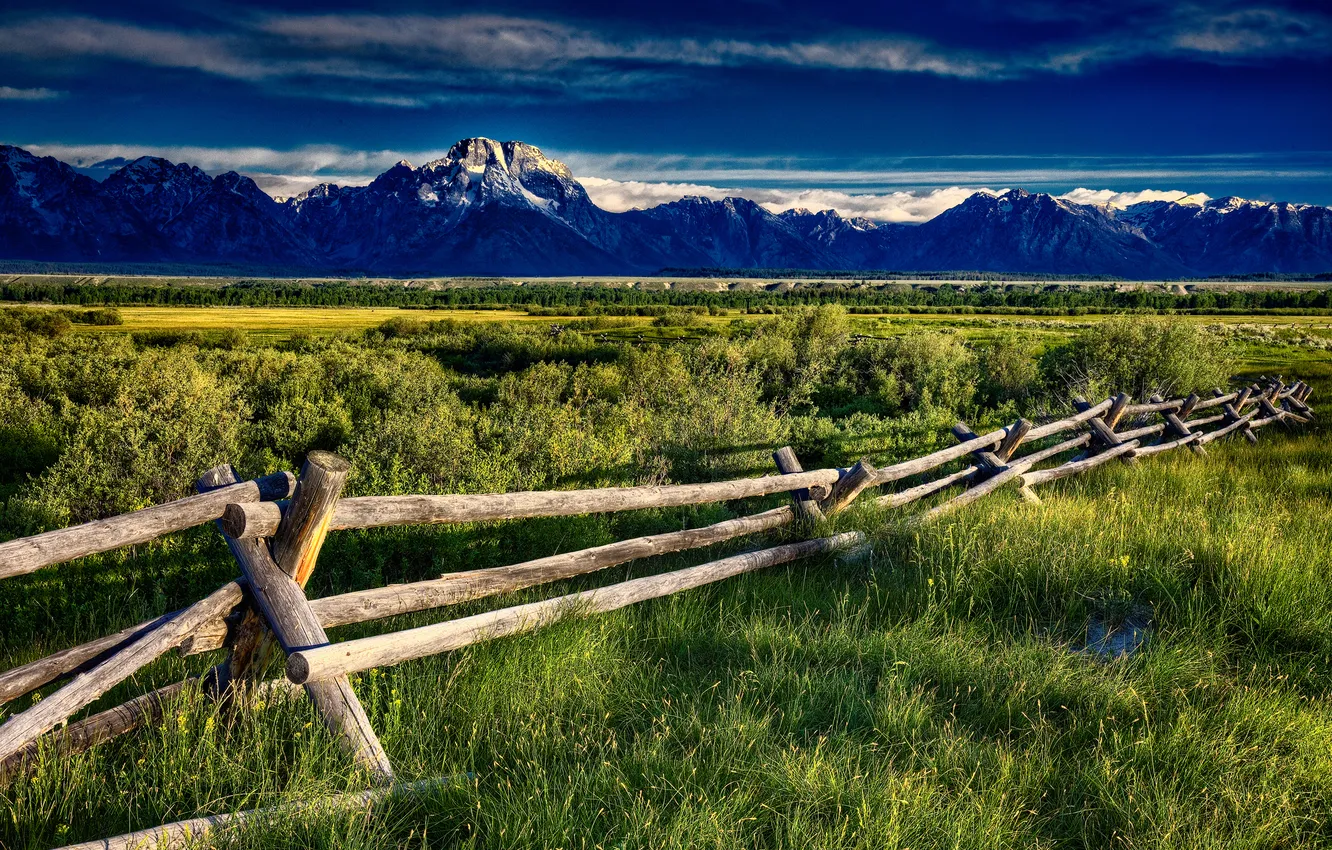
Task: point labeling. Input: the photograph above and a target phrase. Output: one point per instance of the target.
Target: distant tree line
(887, 274)
(557, 299)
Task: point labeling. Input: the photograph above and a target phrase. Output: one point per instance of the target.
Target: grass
(269, 323)
(930, 695)
(277, 322)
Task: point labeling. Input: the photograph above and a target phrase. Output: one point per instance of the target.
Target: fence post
(1175, 425)
(1016, 433)
(1187, 407)
(1232, 412)
(806, 507)
(1116, 411)
(304, 526)
(1269, 408)
(990, 464)
(280, 599)
(849, 486)
(1294, 402)
(1102, 429)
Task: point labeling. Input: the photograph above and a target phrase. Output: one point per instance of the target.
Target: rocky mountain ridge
(504, 208)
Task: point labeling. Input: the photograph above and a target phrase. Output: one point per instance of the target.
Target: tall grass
(932, 694)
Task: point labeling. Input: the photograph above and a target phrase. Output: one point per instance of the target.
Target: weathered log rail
(276, 545)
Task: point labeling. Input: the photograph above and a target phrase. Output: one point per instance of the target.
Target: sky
(893, 111)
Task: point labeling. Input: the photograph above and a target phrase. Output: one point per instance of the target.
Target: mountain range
(504, 208)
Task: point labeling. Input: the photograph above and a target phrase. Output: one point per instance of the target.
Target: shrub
(104, 316)
(168, 421)
(33, 320)
(401, 326)
(168, 339)
(1140, 355)
(918, 370)
(678, 318)
(1008, 371)
(798, 350)
(29, 434)
(231, 338)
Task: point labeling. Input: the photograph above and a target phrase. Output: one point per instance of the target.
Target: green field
(278, 322)
(932, 694)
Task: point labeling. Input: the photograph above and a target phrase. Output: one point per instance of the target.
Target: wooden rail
(28, 554)
(276, 546)
(188, 833)
(379, 511)
(328, 662)
(395, 599)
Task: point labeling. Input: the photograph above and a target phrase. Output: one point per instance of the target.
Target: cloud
(905, 207)
(898, 207)
(886, 174)
(621, 195)
(1223, 34)
(58, 39)
(1255, 32)
(530, 45)
(406, 61)
(279, 172)
(412, 60)
(1124, 199)
(11, 93)
(467, 41)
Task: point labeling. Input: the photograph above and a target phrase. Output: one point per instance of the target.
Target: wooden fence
(275, 527)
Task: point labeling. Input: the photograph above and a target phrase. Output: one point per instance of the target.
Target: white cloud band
(12, 93)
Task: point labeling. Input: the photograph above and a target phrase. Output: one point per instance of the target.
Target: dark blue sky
(816, 104)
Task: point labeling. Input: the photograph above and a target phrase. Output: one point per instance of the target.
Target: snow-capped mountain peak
(494, 207)
(1227, 204)
(481, 171)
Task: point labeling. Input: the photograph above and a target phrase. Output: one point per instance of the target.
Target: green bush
(231, 338)
(797, 351)
(96, 424)
(169, 419)
(168, 339)
(401, 326)
(35, 321)
(678, 318)
(1140, 355)
(104, 316)
(919, 370)
(1008, 371)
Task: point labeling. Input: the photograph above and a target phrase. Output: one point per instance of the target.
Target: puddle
(1115, 632)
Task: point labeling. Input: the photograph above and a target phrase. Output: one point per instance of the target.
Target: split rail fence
(275, 527)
